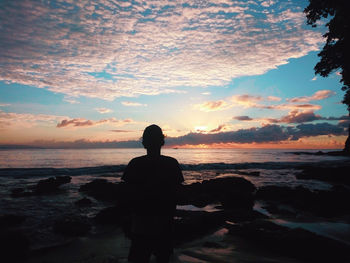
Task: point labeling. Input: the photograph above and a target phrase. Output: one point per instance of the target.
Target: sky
(224, 74)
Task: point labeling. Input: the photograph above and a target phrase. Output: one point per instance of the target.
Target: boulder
(20, 192)
(51, 184)
(233, 192)
(190, 225)
(326, 203)
(327, 174)
(14, 246)
(115, 215)
(101, 189)
(237, 200)
(11, 220)
(295, 243)
(83, 202)
(72, 226)
(253, 173)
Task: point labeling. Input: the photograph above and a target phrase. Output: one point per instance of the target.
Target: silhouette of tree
(336, 52)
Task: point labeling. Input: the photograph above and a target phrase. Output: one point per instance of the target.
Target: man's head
(153, 137)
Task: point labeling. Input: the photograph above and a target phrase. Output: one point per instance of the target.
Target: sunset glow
(216, 74)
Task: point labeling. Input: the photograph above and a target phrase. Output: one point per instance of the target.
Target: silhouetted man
(152, 181)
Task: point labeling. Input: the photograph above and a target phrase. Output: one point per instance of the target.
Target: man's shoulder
(168, 159)
(137, 159)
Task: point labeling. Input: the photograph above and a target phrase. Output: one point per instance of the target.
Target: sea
(23, 168)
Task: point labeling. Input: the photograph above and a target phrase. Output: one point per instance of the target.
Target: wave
(19, 172)
(61, 171)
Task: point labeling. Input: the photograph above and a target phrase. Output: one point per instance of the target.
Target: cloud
(266, 134)
(314, 78)
(245, 100)
(250, 101)
(242, 118)
(318, 95)
(120, 131)
(296, 116)
(288, 106)
(108, 49)
(133, 104)
(273, 98)
(308, 130)
(4, 104)
(10, 119)
(81, 122)
(103, 110)
(220, 128)
(344, 123)
(213, 106)
(71, 100)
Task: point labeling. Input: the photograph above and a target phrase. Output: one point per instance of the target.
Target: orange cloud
(133, 104)
(103, 110)
(318, 95)
(212, 106)
(81, 122)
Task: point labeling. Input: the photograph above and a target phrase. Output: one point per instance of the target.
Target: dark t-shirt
(151, 185)
(152, 182)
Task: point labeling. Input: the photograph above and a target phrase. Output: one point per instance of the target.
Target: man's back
(153, 182)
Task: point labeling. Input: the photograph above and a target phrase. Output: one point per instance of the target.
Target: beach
(236, 207)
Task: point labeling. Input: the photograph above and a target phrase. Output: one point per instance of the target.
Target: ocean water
(275, 166)
(64, 158)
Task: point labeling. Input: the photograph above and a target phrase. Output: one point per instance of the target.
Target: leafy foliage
(335, 53)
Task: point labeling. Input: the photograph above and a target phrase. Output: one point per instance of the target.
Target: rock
(83, 202)
(228, 190)
(237, 200)
(210, 244)
(103, 190)
(296, 243)
(20, 192)
(277, 210)
(115, 215)
(319, 202)
(227, 185)
(10, 220)
(72, 226)
(14, 246)
(193, 224)
(110, 259)
(51, 184)
(243, 215)
(327, 174)
(254, 173)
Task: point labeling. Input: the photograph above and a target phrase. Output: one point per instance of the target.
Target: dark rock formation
(253, 173)
(11, 220)
(327, 174)
(319, 202)
(51, 184)
(232, 192)
(115, 215)
(72, 226)
(14, 246)
(20, 192)
(296, 243)
(83, 202)
(101, 189)
(193, 224)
